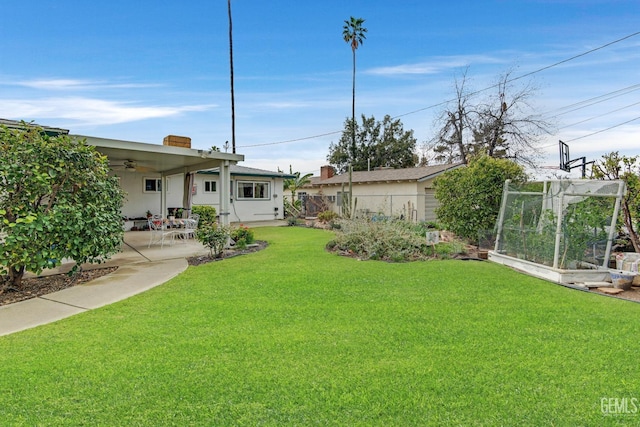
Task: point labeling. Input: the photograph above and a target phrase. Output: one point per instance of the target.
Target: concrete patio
(136, 249)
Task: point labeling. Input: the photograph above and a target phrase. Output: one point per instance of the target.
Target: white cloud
(89, 111)
(73, 84)
(434, 67)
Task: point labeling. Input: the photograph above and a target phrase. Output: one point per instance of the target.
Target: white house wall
(138, 201)
(411, 200)
(242, 210)
(175, 191)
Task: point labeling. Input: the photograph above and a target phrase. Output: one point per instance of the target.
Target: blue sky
(141, 70)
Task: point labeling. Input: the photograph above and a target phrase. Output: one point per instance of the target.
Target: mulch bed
(258, 245)
(43, 285)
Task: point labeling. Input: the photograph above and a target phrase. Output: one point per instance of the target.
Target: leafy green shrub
(469, 198)
(213, 236)
(327, 216)
(422, 227)
(395, 241)
(207, 213)
(57, 201)
(243, 236)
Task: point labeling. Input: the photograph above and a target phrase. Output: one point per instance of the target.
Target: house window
(152, 185)
(253, 190)
(210, 186)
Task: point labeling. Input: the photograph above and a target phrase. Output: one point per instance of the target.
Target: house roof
(385, 175)
(247, 171)
(164, 159)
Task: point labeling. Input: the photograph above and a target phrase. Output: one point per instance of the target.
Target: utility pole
(233, 107)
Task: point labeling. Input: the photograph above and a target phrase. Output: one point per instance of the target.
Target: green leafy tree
(379, 144)
(57, 201)
(294, 206)
(615, 166)
(469, 197)
(354, 33)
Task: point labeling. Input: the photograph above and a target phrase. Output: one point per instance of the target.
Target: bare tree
(502, 125)
(456, 122)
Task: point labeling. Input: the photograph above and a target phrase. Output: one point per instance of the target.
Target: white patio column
(225, 192)
(163, 195)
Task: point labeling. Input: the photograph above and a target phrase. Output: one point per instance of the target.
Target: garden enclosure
(561, 224)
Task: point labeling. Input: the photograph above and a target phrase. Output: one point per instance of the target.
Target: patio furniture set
(169, 229)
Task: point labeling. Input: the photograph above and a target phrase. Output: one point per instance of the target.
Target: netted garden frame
(561, 224)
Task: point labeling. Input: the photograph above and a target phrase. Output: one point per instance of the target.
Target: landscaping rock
(611, 291)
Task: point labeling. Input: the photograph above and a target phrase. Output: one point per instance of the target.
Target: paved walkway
(126, 281)
(139, 268)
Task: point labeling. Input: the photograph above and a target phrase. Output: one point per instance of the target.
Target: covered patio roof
(168, 160)
(163, 159)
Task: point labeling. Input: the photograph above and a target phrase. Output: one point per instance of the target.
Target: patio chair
(188, 231)
(196, 218)
(159, 232)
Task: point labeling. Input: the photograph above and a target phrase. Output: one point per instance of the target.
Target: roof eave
(435, 175)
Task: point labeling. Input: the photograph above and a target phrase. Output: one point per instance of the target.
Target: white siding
(138, 202)
(243, 210)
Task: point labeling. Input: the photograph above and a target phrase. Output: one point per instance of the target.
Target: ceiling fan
(130, 166)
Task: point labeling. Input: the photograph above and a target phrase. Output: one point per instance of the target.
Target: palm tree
(354, 33)
(293, 184)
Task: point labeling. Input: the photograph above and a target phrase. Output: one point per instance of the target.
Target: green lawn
(294, 335)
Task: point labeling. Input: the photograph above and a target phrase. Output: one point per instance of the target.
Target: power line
(527, 74)
(292, 140)
(578, 56)
(603, 130)
(451, 100)
(596, 100)
(601, 115)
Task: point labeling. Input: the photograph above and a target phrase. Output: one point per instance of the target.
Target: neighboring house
(403, 193)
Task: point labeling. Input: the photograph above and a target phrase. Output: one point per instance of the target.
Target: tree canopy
(615, 166)
(500, 125)
(56, 201)
(378, 144)
(469, 197)
(294, 206)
